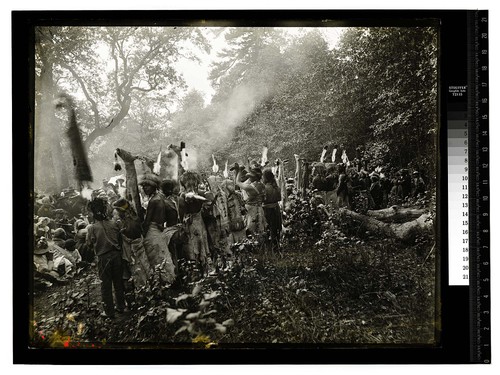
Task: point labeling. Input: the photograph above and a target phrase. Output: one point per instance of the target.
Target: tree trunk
(100, 131)
(46, 132)
(396, 214)
(132, 188)
(405, 232)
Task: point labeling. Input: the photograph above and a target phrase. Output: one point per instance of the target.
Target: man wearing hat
(104, 237)
(102, 195)
(43, 259)
(154, 242)
(64, 261)
(44, 266)
(418, 184)
(46, 208)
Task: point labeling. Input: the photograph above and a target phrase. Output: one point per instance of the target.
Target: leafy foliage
(331, 282)
(376, 89)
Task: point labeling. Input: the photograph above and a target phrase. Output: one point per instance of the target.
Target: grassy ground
(336, 290)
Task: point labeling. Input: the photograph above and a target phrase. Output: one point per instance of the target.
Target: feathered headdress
(157, 165)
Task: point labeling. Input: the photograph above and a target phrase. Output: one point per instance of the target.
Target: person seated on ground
(42, 228)
(85, 251)
(43, 259)
(61, 220)
(59, 237)
(74, 255)
(46, 209)
(63, 259)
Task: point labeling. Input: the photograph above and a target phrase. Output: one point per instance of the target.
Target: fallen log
(405, 232)
(396, 214)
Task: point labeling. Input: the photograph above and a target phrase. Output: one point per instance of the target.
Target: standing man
(154, 223)
(136, 269)
(104, 236)
(255, 192)
(376, 191)
(272, 209)
(174, 232)
(418, 184)
(342, 190)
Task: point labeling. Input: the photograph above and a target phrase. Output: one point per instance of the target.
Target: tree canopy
(374, 92)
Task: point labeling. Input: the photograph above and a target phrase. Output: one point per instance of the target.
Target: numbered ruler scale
(468, 188)
(479, 209)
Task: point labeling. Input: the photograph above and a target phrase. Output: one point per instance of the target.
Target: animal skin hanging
(83, 174)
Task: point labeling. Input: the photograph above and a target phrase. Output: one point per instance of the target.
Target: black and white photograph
(215, 184)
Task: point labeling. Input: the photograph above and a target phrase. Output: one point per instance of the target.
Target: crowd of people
(357, 188)
(197, 218)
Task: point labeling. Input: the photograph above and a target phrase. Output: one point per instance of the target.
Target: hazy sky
(196, 73)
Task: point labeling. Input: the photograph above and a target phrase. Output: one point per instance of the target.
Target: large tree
(388, 92)
(111, 71)
(288, 80)
(376, 91)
